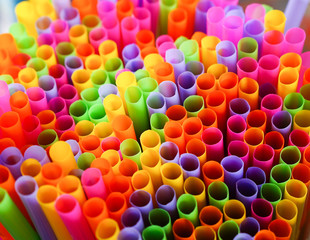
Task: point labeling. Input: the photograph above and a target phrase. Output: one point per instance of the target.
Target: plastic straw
(294, 40)
(280, 228)
(234, 210)
(132, 218)
(228, 229)
(183, 229)
(280, 174)
(273, 42)
(250, 226)
(239, 106)
(218, 194)
(236, 127)
(262, 211)
(272, 193)
(227, 55)
(142, 200)
(213, 139)
(287, 210)
(160, 217)
(172, 175)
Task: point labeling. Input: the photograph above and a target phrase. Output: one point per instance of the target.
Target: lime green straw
(188, 208)
(91, 96)
(99, 77)
(247, 47)
(166, 6)
(18, 31)
(7, 78)
(158, 121)
(79, 111)
(39, 65)
(137, 110)
(161, 217)
(272, 193)
(280, 174)
(97, 114)
(28, 45)
(141, 73)
(85, 159)
(228, 230)
(179, 41)
(268, 8)
(193, 105)
(112, 66)
(190, 49)
(13, 220)
(63, 50)
(293, 103)
(153, 233)
(147, 86)
(218, 194)
(289, 154)
(130, 149)
(47, 138)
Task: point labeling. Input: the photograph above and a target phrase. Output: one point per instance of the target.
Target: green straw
(280, 174)
(39, 65)
(79, 111)
(272, 193)
(305, 92)
(63, 50)
(28, 45)
(13, 220)
(7, 78)
(18, 31)
(161, 217)
(228, 230)
(112, 66)
(141, 73)
(148, 85)
(166, 6)
(85, 20)
(158, 121)
(218, 194)
(97, 114)
(153, 232)
(289, 154)
(47, 138)
(137, 110)
(99, 77)
(293, 103)
(268, 8)
(193, 105)
(91, 96)
(247, 47)
(188, 208)
(85, 159)
(130, 149)
(190, 48)
(179, 41)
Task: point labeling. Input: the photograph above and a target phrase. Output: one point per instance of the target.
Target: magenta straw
(5, 96)
(106, 9)
(97, 36)
(273, 43)
(75, 148)
(282, 123)
(132, 218)
(59, 73)
(201, 15)
(247, 67)
(154, 7)
(271, 104)
(215, 17)
(143, 16)
(236, 127)
(190, 165)
(268, 69)
(130, 52)
(257, 175)
(300, 139)
(294, 40)
(265, 89)
(246, 192)
(38, 153)
(64, 123)
(255, 11)
(156, 103)
(142, 200)
(58, 106)
(176, 58)
(69, 94)
(93, 184)
(186, 85)
(71, 214)
(255, 29)
(46, 39)
(70, 15)
(239, 106)
(112, 27)
(164, 47)
(162, 39)
(27, 188)
(170, 92)
(12, 158)
(239, 149)
(250, 226)
(213, 139)
(226, 54)
(169, 152)
(73, 63)
(263, 157)
(166, 199)
(48, 84)
(60, 31)
(232, 29)
(37, 99)
(233, 171)
(262, 211)
(129, 30)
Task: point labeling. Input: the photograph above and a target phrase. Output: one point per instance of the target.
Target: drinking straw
(26, 187)
(106, 10)
(201, 15)
(60, 74)
(226, 54)
(164, 71)
(107, 229)
(292, 60)
(95, 210)
(7, 78)
(121, 183)
(21, 59)
(232, 29)
(208, 50)
(9, 43)
(66, 161)
(228, 230)
(228, 83)
(197, 147)
(46, 39)
(262, 211)
(243, 236)
(69, 14)
(301, 121)
(192, 128)
(28, 46)
(145, 38)
(169, 152)
(234, 210)
(63, 50)
(142, 200)
(301, 172)
(282, 122)
(253, 137)
(290, 155)
(190, 165)
(47, 137)
(72, 185)
(287, 210)
(144, 17)
(280, 174)
(218, 194)
(183, 229)
(111, 142)
(93, 183)
(123, 127)
(281, 229)
(93, 62)
(84, 128)
(172, 175)
(153, 232)
(81, 80)
(78, 111)
(211, 217)
(213, 139)
(90, 97)
(176, 113)
(196, 187)
(129, 233)
(246, 192)
(19, 103)
(239, 106)
(84, 50)
(247, 67)
(193, 105)
(132, 218)
(31, 129)
(12, 218)
(175, 133)
(108, 50)
(248, 90)
(113, 106)
(166, 199)
(263, 157)
(304, 91)
(99, 78)
(296, 191)
(190, 48)
(215, 17)
(212, 171)
(294, 40)
(255, 11)
(276, 141)
(27, 77)
(156, 103)
(113, 156)
(105, 168)
(236, 127)
(177, 19)
(78, 35)
(275, 20)
(48, 84)
(265, 234)
(206, 84)
(271, 104)
(131, 149)
(150, 139)
(80, 6)
(5, 143)
(18, 30)
(273, 42)
(157, 122)
(92, 22)
(37, 99)
(32, 167)
(47, 119)
(60, 31)
(169, 91)
(112, 28)
(39, 65)
(85, 159)
(250, 226)
(186, 85)
(130, 52)
(141, 180)
(160, 217)
(75, 147)
(288, 80)
(129, 28)
(10, 125)
(47, 53)
(37, 153)
(97, 113)
(272, 193)
(70, 212)
(52, 173)
(187, 208)
(141, 73)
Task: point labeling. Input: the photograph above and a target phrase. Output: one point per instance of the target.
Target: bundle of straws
(154, 119)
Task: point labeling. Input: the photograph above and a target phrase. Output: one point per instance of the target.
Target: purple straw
(38, 153)
(186, 85)
(250, 226)
(142, 200)
(226, 54)
(12, 158)
(176, 58)
(132, 218)
(166, 199)
(190, 165)
(201, 15)
(170, 91)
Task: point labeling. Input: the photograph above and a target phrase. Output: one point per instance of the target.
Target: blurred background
(7, 15)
